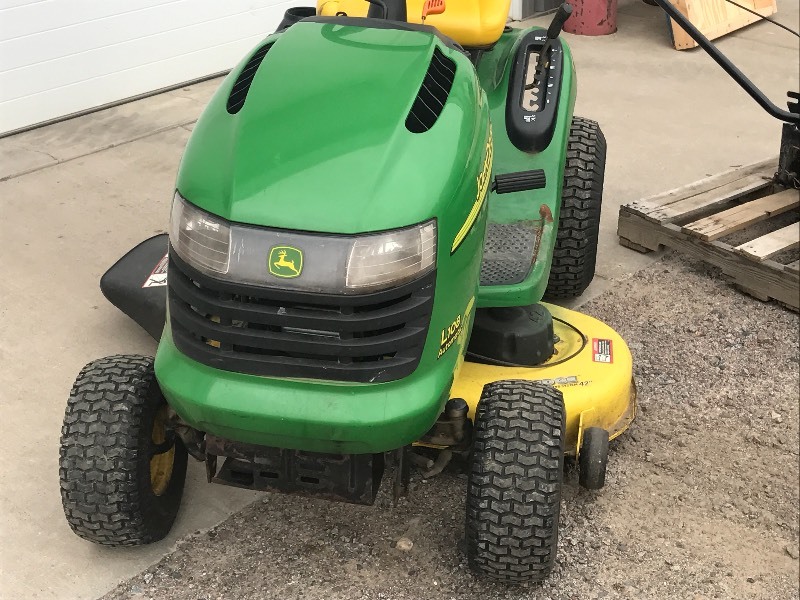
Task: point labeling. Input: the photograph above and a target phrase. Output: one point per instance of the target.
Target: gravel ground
(701, 498)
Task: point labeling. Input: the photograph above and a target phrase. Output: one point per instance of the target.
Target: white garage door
(59, 57)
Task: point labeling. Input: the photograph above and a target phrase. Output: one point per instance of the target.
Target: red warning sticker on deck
(602, 351)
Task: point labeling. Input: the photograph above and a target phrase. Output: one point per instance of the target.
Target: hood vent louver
(242, 84)
(433, 94)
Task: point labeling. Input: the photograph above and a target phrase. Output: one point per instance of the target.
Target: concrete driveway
(77, 195)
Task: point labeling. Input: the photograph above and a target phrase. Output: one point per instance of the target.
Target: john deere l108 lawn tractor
(366, 218)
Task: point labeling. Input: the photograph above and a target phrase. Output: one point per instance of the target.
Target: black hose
(724, 62)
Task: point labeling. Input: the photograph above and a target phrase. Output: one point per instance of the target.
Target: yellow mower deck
(594, 372)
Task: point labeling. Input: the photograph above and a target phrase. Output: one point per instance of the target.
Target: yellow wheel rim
(161, 464)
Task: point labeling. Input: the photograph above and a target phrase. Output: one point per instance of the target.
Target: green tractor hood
(320, 142)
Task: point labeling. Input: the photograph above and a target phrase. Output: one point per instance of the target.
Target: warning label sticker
(159, 275)
(602, 351)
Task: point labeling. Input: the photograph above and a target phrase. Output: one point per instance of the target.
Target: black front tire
(575, 253)
(514, 488)
(108, 448)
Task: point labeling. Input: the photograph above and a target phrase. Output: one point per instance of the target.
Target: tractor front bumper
(316, 416)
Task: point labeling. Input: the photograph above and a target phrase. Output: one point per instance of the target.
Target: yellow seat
(471, 23)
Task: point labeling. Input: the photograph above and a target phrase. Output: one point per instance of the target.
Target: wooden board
(772, 243)
(690, 207)
(715, 18)
(662, 207)
(725, 203)
(739, 217)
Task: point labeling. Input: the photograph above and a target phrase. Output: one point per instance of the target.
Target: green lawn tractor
(366, 218)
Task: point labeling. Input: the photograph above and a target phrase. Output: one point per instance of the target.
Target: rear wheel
(514, 488)
(121, 469)
(575, 252)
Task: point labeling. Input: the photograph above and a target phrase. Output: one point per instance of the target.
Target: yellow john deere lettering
(449, 335)
(483, 188)
(455, 334)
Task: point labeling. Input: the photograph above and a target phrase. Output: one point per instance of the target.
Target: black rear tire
(575, 253)
(514, 488)
(110, 497)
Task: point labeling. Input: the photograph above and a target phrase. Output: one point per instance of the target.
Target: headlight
(199, 238)
(392, 257)
(293, 260)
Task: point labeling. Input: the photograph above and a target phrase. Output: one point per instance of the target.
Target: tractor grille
(374, 337)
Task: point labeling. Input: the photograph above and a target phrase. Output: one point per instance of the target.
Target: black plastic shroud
(518, 335)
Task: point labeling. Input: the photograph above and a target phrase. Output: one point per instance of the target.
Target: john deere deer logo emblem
(285, 261)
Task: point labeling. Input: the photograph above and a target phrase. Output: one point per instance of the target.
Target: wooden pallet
(715, 18)
(700, 219)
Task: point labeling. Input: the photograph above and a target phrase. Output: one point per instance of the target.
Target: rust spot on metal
(545, 213)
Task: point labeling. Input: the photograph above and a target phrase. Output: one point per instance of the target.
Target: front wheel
(515, 475)
(121, 469)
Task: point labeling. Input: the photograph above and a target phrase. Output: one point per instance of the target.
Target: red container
(592, 17)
